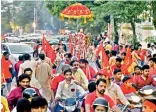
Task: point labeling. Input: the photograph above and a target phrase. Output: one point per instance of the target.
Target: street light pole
(34, 24)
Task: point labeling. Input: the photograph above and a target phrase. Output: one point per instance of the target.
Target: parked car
(16, 49)
(32, 44)
(12, 39)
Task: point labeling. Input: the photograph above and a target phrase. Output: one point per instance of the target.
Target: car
(59, 37)
(91, 63)
(12, 39)
(32, 44)
(16, 49)
(55, 40)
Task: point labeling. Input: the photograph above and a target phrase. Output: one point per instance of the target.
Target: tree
(18, 13)
(6, 16)
(24, 13)
(153, 3)
(123, 12)
(21, 14)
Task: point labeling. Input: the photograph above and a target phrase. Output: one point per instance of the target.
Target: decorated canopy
(77, 11)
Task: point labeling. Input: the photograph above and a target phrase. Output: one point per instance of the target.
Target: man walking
(44, 76)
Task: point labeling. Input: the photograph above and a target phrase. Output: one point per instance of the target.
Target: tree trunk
(134, 32)
(116, 31)
(133, 27)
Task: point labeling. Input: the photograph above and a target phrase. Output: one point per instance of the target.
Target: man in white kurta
(44, 77)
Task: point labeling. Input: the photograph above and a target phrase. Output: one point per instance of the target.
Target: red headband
(150, 104)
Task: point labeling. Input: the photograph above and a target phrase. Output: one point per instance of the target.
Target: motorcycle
(123, 108)
(71, 104)
(133, 99)
(148, 92)
(136, 101)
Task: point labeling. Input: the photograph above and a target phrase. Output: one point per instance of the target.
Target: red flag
(127, 62)
(50, 52)
(103, 56)
(44, 43)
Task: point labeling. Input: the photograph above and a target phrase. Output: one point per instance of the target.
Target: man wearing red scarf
(88, 70)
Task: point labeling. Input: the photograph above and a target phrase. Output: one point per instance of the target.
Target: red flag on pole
(50, 52)
(127, 62)
(104, 61)
(103, 56)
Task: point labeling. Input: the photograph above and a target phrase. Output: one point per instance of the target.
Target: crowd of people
(38, 85)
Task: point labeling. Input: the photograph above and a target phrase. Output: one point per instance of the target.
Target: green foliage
(153, 3)
(21, 13)
(151, 39)
(5, 17)
(133, 41)
(24, 14)
(124, 11)
(55, 7)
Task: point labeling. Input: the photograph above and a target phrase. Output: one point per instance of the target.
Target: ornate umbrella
(76, 11)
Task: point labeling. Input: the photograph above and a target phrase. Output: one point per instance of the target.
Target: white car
(16, 49)
(12, 39)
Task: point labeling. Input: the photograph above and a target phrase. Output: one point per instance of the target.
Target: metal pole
(34, 20)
